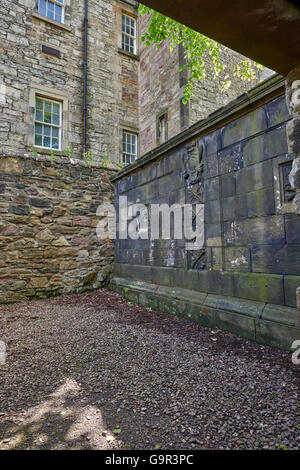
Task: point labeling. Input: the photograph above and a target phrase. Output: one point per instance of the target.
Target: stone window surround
(128, 54)
(67, 19)
(52, 94)
(50, 125)
(162, 116)
(280, 206)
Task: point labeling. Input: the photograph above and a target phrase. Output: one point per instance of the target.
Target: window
(47, 125)
(48, 108)
(129, 147)
(128, 34)
(162, 129)
(53, 9)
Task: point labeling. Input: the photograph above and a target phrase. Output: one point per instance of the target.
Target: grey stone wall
(245, 280)
(48, 242)
(251, 257)
(209, 94)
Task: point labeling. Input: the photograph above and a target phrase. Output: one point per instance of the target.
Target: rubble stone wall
(48, 242)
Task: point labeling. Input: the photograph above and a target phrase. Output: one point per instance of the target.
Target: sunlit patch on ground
(58, 424)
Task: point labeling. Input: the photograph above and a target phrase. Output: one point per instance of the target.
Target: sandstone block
(61, 241)
(39, 282)
(10, 165)
(67, 265)
(45, 236)
(10, 230)
(82, 221)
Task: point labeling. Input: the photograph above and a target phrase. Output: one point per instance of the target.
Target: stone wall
(209, 94)
(245, 278)
(48, 242)
(159, 90)
(112, 77)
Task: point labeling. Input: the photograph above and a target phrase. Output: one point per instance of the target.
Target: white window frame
(55, 2)
(43, 123)
(129, 35)
(135, 155)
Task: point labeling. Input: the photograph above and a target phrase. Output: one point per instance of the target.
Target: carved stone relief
(193, 174)
(293, 132)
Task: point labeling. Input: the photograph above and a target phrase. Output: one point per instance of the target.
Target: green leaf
(201, 53)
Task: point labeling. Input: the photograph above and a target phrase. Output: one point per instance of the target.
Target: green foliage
(89, 157)
(202, 54)
(283, 447)
(105, 160)
(52, 155)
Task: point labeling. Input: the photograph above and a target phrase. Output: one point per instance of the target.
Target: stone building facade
(42, 55)
(133, 92)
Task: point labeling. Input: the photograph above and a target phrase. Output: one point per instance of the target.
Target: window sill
(53, 22)
(46, 151)
(128, 54)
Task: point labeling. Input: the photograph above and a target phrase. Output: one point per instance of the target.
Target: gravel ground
(93, 371)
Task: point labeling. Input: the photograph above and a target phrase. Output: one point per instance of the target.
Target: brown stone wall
(48, 242)
(161, 88)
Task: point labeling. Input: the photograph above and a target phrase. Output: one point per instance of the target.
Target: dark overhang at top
(267, 31)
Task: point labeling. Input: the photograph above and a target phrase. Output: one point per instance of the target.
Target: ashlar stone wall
(48, 242)
(237, 163)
